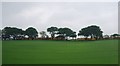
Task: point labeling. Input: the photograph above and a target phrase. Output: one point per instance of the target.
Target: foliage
(66, 32)
(43, 34)
(14, 32)
(52, 31)
(93, 31)
(115, 35)
(73, 35)
(0, 34)
(31, 32)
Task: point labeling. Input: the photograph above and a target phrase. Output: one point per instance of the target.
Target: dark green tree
(84, 32)
(73, 35)
(31, 32)
(115, 35)
(65, 32)
(52, 31)
(0, 34)
(93, 31)
(13, 32)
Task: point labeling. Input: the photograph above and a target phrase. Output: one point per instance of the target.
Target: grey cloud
(61, 14)
(60, 0)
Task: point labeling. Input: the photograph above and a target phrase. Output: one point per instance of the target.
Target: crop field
(59, 52)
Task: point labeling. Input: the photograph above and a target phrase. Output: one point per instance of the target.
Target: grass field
(60, 52)
(0, 52)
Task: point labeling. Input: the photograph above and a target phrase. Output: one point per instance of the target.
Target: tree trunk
(86, 38)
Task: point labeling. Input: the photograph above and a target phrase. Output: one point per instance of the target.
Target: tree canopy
(12, 32)
(31, 32)
(66, 32)
(52, 31)
(93, 31)
(0, 33)
(16, 33)
(115, 35)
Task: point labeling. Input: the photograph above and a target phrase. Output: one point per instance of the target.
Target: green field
(0, 52)
(60, 52)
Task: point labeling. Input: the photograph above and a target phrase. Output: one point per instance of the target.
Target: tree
(115, 35)
(52, 31)
(43, 34)
(73, 35)
(31, 32)
(60, 37)
(12, 33)
(84, 32)
(8, 32)
(93, 31)
(20, 34)
(0, 34)
(16, 33)
(65, 32)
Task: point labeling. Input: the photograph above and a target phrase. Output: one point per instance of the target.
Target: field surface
(60, 52)
(0, 52)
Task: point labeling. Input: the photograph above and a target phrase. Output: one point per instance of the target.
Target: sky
(59, 0)
(74, 15)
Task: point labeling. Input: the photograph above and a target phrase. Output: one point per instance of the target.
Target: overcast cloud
(74, 15)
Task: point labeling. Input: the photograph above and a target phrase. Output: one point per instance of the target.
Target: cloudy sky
(74, 15)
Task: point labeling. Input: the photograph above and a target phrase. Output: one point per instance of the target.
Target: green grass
(60, 52)
(0, 52)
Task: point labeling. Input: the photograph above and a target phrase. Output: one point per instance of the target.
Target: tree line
(93, 31)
